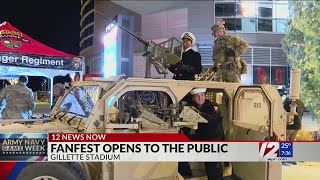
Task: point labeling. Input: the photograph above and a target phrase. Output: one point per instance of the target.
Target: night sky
(55, 23)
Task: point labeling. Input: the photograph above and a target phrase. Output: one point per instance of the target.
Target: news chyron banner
(172, 148)
(93, 147)
(23, 147)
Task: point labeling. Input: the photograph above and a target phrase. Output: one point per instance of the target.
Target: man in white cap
(208, 131)
(190, 65)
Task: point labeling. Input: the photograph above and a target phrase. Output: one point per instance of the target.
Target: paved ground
(301, 171)
(308, 123)
(42, 109)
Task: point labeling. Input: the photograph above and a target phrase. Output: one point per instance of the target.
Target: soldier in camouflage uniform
(227, 51)
(19, 100)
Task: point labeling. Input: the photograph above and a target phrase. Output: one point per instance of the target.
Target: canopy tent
(22, 55)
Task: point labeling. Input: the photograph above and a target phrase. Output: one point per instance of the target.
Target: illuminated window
(253, 16)
(246, 9)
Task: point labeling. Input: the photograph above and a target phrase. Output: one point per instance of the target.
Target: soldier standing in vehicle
(227, 51)
(186, 69)
(190, 65)
(19, 100)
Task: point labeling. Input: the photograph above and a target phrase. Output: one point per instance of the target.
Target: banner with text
(172, 148)
(38, 61)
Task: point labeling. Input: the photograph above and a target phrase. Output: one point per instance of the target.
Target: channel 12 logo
(276, 150)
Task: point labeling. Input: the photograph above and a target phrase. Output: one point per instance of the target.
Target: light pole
(44, 84)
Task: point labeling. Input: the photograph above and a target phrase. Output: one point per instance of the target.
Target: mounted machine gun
(161, 55)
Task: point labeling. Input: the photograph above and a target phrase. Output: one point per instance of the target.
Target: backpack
(244, 68)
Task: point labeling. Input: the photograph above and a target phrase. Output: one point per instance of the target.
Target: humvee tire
(52, 170)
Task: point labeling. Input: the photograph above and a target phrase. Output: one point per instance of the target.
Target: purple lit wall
(110, 52)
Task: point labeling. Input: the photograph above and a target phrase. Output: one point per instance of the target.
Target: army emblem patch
(12, 39)
(11, 43)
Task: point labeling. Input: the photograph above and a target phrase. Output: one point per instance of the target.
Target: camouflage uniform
(227, 51)
(19, 101)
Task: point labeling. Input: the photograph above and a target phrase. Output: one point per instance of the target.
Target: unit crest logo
(12, 39)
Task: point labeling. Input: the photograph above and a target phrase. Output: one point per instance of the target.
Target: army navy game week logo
(23, 147)
(276, 151)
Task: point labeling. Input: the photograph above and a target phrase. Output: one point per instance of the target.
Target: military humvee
(142, 105)
(139, 105)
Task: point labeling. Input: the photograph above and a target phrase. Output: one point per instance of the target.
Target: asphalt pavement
(41, 109)
(309, 123)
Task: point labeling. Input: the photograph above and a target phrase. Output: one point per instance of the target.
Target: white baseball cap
(198, 90)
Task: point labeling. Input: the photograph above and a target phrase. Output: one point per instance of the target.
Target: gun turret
(294, 93)
(161, 55)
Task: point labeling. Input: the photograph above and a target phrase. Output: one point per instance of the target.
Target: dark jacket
(212, 130)
(188, 67)
(297, 119)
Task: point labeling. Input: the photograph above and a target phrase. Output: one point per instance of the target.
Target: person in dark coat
(190, 64)
(208, 131)
(293, 129)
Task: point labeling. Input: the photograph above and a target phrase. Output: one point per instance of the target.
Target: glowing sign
(110, 51)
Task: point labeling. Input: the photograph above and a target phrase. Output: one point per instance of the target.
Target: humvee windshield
(80, 100)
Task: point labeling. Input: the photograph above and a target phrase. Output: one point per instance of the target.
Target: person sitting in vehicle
(84, 100)
(58, 91)
(206, 131)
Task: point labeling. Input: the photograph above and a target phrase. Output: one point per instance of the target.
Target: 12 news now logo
(276, 151)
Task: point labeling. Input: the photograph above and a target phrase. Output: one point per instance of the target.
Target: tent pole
(83, 68)
(51, 91)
